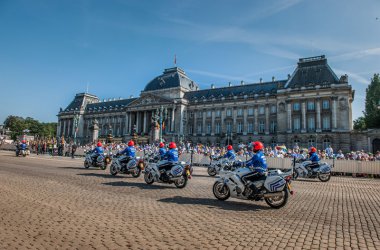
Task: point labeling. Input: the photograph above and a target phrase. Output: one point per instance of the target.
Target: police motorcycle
(301, 168)
(151, 157)
(133, 167)
(178, 174)
(274, 189)
(101, 161)
(219, 162)
(21, 152)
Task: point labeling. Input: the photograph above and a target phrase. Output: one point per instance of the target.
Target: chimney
(261, 80)
(273, 78)
(229, 84)
(242, 83)
(212, 86)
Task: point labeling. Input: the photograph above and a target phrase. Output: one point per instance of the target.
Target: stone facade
(312, 107)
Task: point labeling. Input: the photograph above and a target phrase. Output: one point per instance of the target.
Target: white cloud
(352, 75)
(356, 54)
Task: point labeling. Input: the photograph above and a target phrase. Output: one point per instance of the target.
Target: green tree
(359, 124)
(372, 103)
(16, 124)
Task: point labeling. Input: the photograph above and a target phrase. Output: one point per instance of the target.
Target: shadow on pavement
(308, 180)
(82, 168)
(103, 175)
(214, 203)
(203, 176)
(137, 185)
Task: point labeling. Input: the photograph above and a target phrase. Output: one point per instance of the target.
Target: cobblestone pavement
(57, 204)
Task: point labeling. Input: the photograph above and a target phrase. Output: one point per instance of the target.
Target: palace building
(313, 106)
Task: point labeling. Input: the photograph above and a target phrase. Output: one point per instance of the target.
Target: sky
(50, 50)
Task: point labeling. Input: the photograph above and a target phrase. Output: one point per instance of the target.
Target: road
(54, 203)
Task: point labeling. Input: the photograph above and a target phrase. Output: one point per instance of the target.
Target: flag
(175, 59)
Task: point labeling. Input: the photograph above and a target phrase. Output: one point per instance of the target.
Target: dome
(172, 78)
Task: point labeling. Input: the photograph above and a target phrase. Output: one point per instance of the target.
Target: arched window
(326, 143)
(310, 143)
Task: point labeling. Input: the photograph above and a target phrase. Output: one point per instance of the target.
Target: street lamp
(160, 116)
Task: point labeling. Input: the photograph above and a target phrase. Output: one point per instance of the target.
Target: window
(217, 113)
(296, 124)
(273, 127)
(250, 111)
(240, 112)
(326, 143)
(261, 110)
(229, 127)
(311, 123)
(296, 106)
(240, 127)
(273, 109)
(217, 128)
(191, 114)
(199, 129)
(208, 128)
(325, 104)
(190, 129)
(261, 127)
(228, 112)
(296, 143)
(209, 113)
(250, 127)
(310, 143)
(200, 114)
(310, 105)
(326, 123)
(273, 143)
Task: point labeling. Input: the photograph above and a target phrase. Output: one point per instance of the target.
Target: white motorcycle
(274, 189)
(134, 166)
(302, 169)
(219, 163)
(101, 161)
(179, 174)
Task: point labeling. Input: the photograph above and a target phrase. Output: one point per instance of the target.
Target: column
(267, 119)
(303, 111)
(256, 125)
(137, 122)
(58, 128)
(129, 122)
(172, 125)
(222, 117)
(212, 122)
(334, 112)
(181, 123)
(234, 125)
(204, 122)
(126, 123)
(318, 108)
(144, 128)
(245, 122)
(289, 116)
(195, 122)
(64, 128)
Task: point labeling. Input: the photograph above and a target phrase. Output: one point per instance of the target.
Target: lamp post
(160, 116)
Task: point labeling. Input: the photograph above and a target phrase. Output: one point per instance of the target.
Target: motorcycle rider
(97, 151)
(162, 151)
(129, 152)
(230, 153)
(170, 157)
(258, 165)
(313, 157)
(23, 145)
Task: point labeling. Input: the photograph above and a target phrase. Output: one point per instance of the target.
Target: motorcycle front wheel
(279, 201)
(86, 164)
(103, 166)
(181, 183)
(136, 173)
(148, 178)
(324, 177)
(211, 171)
(113, 170)
(221, 191)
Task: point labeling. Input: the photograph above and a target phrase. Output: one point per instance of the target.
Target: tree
(16, 125)
(359, 124)
(372, 103)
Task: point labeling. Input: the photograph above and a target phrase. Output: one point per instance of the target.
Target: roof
(253, 89)
(171, 78)
(312, 71)
(110, 104)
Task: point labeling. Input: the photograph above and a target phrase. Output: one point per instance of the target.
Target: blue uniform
(129, 151)
(162, 152)
(23, 146)
(258, 162)
(230, 155)
(314, 157)
(171, 155)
